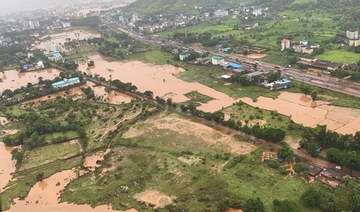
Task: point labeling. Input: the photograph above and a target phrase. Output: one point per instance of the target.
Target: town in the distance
(180, 105)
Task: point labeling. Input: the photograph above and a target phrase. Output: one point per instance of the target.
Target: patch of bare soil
(183, 126)
(154, 198)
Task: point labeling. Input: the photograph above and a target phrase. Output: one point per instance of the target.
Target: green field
(48, 154)
(213, 178)
(340, 56)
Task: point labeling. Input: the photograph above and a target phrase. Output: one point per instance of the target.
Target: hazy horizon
(10, 6)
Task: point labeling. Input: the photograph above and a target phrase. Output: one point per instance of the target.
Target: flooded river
(13, 79)
(302, 110)
(161, 80)
(7, 165)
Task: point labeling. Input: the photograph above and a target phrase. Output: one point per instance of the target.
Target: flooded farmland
(161, 80)
(13, 79)
(302, 110)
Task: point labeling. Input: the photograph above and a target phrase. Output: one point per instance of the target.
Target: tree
(286, 153)
(310, 197)
(254, 205)
(149, 94)
(314, 94)
(285, 206)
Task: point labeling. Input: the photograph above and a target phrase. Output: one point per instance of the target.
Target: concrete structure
(257, 11)
(354, 42)
(234, 66)
(304, 42)
(279, 85)
(352, 35)
(184, 56)
(221, 13)
(285, 44)
(55, 56)
(217, 60)
(66, 82)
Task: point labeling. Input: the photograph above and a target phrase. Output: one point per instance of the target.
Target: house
(352, 35)
(55, 56)
(184, 56)
(285, 44)
(313, 170)
(331, 177)
(279, 85)
(225, 76)
(217, 60)
(257, 11)
(221, 13)
(304, 42)
(66, 82)
(227, 49)
(40, 65)
(66, 24)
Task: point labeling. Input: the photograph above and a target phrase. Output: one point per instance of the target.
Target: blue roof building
(234, 66)
(66, 82)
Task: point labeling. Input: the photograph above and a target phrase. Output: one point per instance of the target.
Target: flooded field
(302, 110)
(44, 196)
(113, 97)
(61, 38)
(161, 80)
(13, 79)
(7, 166)
(255, 56)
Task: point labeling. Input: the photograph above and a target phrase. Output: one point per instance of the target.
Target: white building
(217, 60)
(257, 11)
(221, 13)
(352, 35)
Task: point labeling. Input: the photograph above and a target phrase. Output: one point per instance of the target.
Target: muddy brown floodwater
(302, 110)
(44, 197)
(7, 166)
(13, 79)
(161, 80)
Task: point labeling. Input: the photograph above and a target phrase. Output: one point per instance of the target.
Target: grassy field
(249, 115)
(340, 56)
(198, 97)
(82, 53)
(201, 183)
(48, 154)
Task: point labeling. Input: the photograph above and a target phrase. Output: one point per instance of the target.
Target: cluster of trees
(343, 149)
(205, 38)
(269, 134)
(244, 80)
(9, 97)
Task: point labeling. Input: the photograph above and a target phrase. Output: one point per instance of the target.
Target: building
(234, 66)
(66, 82)
(285, 44)
(257, 11)
(313, 170)
(55, 56)
(217, 60)
(279, 85)
(354, 43)
(352, 35)
(66, 24)
(221, 13)
(184, 56)
(304, 42)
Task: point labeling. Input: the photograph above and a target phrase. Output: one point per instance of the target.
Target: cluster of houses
(314, 63)
(161, 22)
(330, 177)
(26, 62)
(301, 46)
